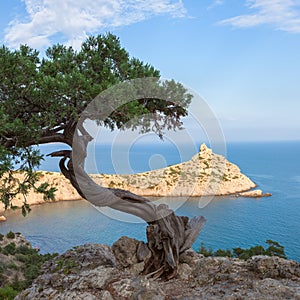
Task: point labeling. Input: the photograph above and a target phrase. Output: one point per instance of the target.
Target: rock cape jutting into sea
(205, 174)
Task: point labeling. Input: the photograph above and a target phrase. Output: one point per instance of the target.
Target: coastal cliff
(205, 174)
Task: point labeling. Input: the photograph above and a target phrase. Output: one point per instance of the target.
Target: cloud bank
(72, 20)
(280, 14)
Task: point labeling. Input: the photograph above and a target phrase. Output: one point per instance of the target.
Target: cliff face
(65, 190)
(95, 271)
(205, 174)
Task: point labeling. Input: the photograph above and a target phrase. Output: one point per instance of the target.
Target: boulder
(254, 194)
(94, 271)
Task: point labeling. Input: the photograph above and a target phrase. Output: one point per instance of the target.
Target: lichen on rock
(96, 271)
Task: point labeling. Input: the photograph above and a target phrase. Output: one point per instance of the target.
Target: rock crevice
(95, 271)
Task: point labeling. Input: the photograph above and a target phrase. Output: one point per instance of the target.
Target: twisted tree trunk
(168, 235)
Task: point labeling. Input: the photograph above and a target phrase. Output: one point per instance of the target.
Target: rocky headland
(97, 271)
(205, 174)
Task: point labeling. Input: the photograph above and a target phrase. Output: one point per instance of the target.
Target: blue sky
(242, 57)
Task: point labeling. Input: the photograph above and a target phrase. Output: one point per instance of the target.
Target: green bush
(12, 266)
(8, 293)
(1, 237)
(21, 257)
(31, 272)
(9, 249)
(10, 235)
(274, 249)
(206, 252)
(23, 249)
(32, 262)
(223, 253)
(30, 265)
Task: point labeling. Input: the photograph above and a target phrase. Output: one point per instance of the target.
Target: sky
(242, 57)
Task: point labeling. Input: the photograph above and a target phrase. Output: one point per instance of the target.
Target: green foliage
(12, 266)
(223, 253)
(10, 235)
(1, 237)
(206, 252)
(32, 262)
(274, 249)
(66, 265)
(27, 261)
(9, 249)
(8, 293)
(41, 101)
(248, 253)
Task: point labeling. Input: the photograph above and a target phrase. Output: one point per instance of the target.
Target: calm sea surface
(231, 222)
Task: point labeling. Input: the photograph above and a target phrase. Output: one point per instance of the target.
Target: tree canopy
(44, 100)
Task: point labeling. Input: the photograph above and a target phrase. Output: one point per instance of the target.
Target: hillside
(205, 174)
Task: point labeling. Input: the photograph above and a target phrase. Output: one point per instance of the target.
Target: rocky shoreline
(97, 271)
(205, 174)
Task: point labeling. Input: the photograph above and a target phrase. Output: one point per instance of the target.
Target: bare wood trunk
(168, 235)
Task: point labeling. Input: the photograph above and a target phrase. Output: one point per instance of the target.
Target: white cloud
(280, 14)
(216, 3)
(73, 20)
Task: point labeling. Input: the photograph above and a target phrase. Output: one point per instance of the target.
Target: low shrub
(8, 293)
(10, 235)
(27, 261)
(9, 249)
(274, 249)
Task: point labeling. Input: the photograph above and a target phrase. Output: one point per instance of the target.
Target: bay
(231, 222)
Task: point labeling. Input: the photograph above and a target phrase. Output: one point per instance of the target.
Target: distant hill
(205, 174)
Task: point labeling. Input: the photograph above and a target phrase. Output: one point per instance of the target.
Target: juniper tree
(45, 100)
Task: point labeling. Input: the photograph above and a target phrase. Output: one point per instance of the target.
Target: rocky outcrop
(95, 271)
(205, 174)
(254, 194)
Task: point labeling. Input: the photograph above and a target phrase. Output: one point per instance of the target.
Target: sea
(231, 221)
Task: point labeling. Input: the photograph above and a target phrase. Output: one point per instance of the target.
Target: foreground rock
(205, 174)
(95, 271)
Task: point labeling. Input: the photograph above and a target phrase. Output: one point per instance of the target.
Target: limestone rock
(96, 272)
(274, 267)
(125, 251)
(254, 194)
(205, 174)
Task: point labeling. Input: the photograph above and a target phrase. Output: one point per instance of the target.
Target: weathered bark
(168, 235)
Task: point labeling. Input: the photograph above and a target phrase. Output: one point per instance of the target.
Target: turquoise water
(231, 222)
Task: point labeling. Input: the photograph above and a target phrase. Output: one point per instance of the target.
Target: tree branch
(54, 138)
